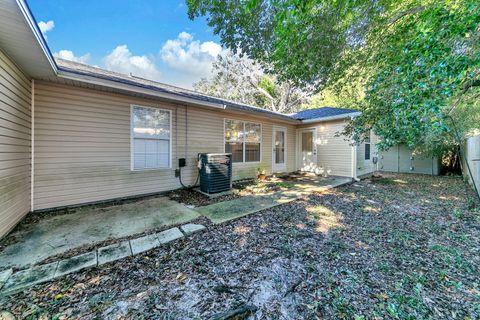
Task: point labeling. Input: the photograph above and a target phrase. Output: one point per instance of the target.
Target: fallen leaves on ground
(399, 246)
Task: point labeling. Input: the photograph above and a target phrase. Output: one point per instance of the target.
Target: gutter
(336, 117)
(125, 85)
(130, 86)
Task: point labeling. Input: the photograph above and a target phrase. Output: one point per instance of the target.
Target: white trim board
(261, 141)
(170, 141)
(298, 156)
(280, 167)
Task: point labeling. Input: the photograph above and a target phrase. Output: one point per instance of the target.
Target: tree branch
(406, 13)
(470, 84)
(265, 93)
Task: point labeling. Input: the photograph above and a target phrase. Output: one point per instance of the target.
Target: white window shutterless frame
(243, 140)
(279, 155)
(150, 138)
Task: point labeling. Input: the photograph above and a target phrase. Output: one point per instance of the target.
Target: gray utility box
(215, 172)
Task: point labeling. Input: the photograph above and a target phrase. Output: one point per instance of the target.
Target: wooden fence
(472, 155)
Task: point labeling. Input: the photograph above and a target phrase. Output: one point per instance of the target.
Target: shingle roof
(323, 112)
(87, 70)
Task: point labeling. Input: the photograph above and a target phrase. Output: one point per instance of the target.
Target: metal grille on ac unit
(215, 172)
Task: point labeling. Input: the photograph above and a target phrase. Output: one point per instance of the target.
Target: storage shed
(402, 159)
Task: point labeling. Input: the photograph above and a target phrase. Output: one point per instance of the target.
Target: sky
(148, 38)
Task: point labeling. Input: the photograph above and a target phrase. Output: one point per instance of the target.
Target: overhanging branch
(405, 13)
(471, 84)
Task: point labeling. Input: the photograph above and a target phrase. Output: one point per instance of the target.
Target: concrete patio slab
(229, 210)
(190, 228)
(169, 235)
(76, 263)
(114, 252)
(30, 277)
(58, 234)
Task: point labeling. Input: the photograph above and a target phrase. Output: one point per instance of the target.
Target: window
(243, 140)
(151, 135)
(367, 146)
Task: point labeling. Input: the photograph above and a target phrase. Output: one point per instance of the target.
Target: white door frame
(279, 167)
(299, 145)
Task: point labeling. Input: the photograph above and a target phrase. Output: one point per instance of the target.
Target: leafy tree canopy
(416, 61)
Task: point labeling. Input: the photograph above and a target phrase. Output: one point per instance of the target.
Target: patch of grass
(385, 267)
(99, 302)
(333, 249)
(375, 229)
(382, 180)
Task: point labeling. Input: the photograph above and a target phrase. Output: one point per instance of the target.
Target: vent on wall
(215, 172)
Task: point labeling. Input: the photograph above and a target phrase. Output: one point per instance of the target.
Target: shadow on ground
(402, 246)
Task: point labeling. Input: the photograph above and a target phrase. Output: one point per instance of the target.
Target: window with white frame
(243, 140)
(151, 138)
(367, 146)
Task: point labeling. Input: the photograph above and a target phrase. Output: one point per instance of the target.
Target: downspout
(186, 132)
(354, 162)
(32, 147)
(176, 137)
(354, 158)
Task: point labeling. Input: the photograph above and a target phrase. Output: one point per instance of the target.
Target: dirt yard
(243, 188)
(398, 247)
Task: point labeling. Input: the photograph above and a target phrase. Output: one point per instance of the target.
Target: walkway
(225, 211)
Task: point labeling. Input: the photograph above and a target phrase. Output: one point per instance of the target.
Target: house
(74, 134)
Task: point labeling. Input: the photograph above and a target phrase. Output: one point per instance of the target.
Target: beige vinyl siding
(82, 145)
(15, 141)
(334, 153)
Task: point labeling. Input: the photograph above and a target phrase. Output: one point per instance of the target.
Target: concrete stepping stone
(5, 315)
(4, 275)
(77, 263)
(145, 243)
(114, 252)
(169, 235)
(151, 241)
(14, 282)
(190, 228)
(30, 277)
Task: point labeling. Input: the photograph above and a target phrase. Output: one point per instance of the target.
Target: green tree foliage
(424, 66)
(416, 61)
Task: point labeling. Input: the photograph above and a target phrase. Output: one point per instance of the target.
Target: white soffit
(22, 41)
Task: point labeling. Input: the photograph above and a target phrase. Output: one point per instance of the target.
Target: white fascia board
(337, 117)
(36, 32)
(132, 88)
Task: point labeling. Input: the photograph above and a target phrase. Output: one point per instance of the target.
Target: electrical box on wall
(182, 162)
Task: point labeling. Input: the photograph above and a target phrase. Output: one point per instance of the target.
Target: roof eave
(277, 116)
(69, 75)
(22, 41)
(32, 23)
(124, 86)
(336, 117)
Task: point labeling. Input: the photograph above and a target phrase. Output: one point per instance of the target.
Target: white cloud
(46, 27)
(190, 56)
(122, 60)
(69, 55)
